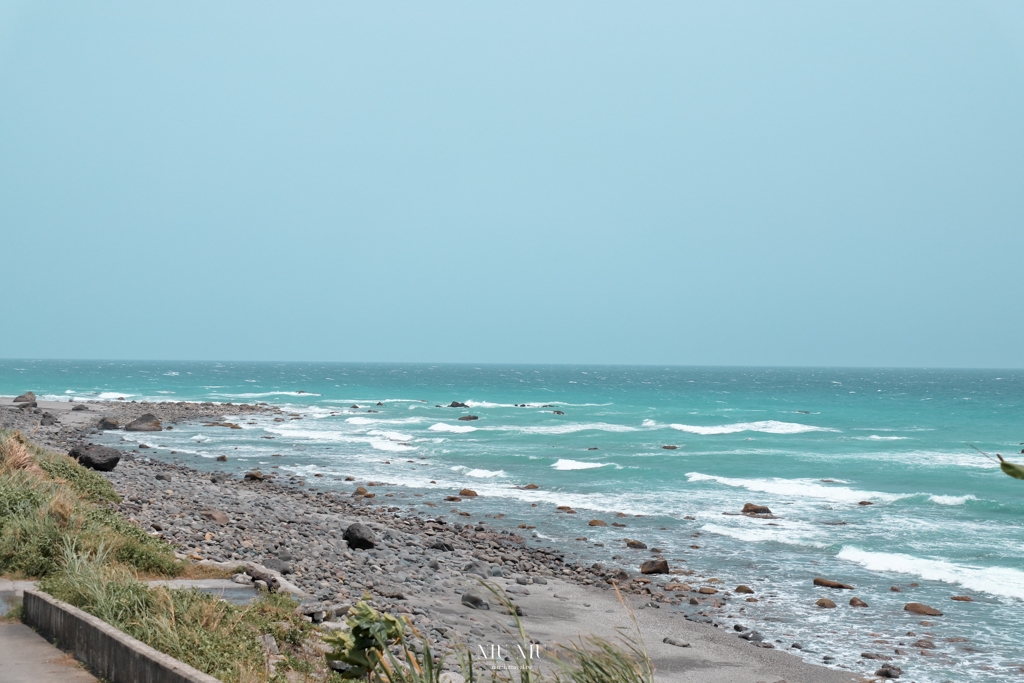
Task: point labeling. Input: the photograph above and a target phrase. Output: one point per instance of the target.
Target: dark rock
(875, 655)
(163, 477)
(217, 478)
(531, 487)
(469, 418)
(597, 522)
(557, 412)
(919, 608)
(829, 583)
(101, 458)
(752, 636)
(670, 448)
(360, 536)
(26, 406)
(751, 509)
(923, 644)
(857, 602)
(278, 565)
(107, 423)
(744, 589)
(889, 671)
(474, 600)
(865, 502)
(222, 458)
(27, 397)
(659, 566)
(540, 580)
(254, 475)
(456, 404)
(638, 545)
(962, 598)
(825, 603)
(80, 407)
(145, 423)
(443, 546)
(47, 420)
(619, 576)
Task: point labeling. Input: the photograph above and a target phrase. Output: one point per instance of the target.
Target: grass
(46, 497)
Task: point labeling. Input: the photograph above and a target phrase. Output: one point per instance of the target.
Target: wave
(876, 437)
(800, 488)
(113, 395)
(265, 394)
(454, 429)
(479, 473)
(765, 426)
(569, 428)
(393, 436)
(761, 534)
(359, 420)
(387, 445)
(1000, 581)
(951, 500)
(564, 464)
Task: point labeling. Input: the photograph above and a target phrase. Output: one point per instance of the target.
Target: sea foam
(1001, 581)
(798, 488)
(765, 426)
(454, 429)
(564, 464)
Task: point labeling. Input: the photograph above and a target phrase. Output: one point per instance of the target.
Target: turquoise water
(943, 516)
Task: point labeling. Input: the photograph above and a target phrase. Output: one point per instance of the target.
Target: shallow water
(810, 444)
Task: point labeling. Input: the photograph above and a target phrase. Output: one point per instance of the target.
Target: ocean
(811, 444)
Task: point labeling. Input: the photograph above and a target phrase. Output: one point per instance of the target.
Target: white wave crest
(876, 437)
(765, 426)
(951, 500)
(564, 464)
(1001, 581)
(569, 428)
(386, 445)
(799, 488)
(761, 534)
(454, 429)
(113, 395)
(265, 394)
(393, 436)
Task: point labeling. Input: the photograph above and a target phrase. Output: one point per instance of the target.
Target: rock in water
(145, 423)
(658, 566)
(829, 583)
(598, 522)
(101, 458)
(963, 598)
(636, 545)
(360, 536)
(468, 493)
(107, 423)
(744, 589)
(474, 600)
(751, 509)
(469, 418)
(456, 404)
(27, 397)
(919, 608)
(857, 602)
(826, 603)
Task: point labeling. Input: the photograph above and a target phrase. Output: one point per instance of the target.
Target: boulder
(825, 603)
(477, 568)
(675, 641)
(670, 448)
(27, 397)
(443, 546)
(452, 499)
(865, 502)
(47, 420)
(469, 418)
(360, 491)
(254, 475)
(637, 545)
(857, 602)
(101, 458)
(107, 423)
(222, 458)
(829, 583)
(963, 598)
(79, 407)
(923, 644)
(144, 423)
(474, 600)
(557, 412)
(456, 404)
(597, 522)
(919, 608)
(751, 509)
(707, 590)
(656, 566)
(468, 493)
(360, 536)
(889, 671)
(531, 487)
(744, 589)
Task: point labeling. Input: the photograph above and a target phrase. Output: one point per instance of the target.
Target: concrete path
(26, 657)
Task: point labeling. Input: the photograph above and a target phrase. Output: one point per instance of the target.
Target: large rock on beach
(95, 457)
(360, 536)
(480, 569)
(27, 397)
(106, 423)
(144, 423)
(474, 600)
(657, 566)
(920, 608)
(278, 565)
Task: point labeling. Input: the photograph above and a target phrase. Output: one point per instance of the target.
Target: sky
(824, 184)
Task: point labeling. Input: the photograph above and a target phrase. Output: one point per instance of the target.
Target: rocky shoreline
(336, 547)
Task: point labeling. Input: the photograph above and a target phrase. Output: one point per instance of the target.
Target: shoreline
(267, 519)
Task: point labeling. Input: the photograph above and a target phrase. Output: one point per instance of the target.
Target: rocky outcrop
(27, 397)
(144, 423)
(469, 418)
(468, 493)
(752, 509)
(457, 404)
(95, 457)
(825, 603)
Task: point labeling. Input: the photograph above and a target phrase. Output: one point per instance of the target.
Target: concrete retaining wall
(110, 654)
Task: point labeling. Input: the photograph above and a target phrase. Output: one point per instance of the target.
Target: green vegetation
(46, 497)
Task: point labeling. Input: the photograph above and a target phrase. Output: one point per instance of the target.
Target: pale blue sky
(715, 183)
